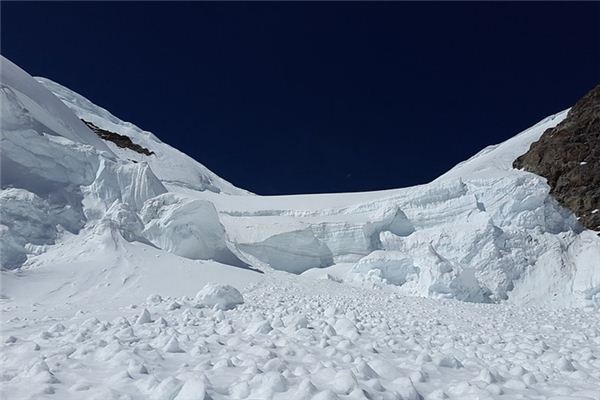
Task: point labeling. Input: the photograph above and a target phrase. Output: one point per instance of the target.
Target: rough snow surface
(299, 338)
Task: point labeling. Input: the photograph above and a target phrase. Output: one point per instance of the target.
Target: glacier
(147, 276)
(482, 232)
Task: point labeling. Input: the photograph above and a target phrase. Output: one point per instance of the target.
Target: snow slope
(58, 176)
(170, 165)
(26, 104)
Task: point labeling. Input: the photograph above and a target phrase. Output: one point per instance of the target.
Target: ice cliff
(482, 232)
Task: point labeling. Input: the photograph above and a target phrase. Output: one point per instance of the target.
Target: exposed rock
(120, 140)
(568, 156)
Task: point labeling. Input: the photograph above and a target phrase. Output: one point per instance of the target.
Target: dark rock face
(120, 140)
(568, 156)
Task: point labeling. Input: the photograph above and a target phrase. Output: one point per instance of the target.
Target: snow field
(299, 338)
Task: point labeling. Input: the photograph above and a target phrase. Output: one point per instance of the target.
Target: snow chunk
(189, 228)
(193, 389)
(173, 346)
(144, 318)
(223, 297)
(295, 251)
(395, 266)
(344, 382)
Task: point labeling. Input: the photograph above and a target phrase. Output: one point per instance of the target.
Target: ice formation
(483, 232)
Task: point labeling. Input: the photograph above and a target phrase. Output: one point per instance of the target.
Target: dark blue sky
(314, 97)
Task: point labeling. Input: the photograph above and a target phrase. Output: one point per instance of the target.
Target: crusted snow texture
(301, 339)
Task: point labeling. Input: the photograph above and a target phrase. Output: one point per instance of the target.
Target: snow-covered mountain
(107, 233)
(171, 166)
(482, 232)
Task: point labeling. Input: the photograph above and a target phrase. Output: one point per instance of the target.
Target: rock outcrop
(568, 156)
(120, 140)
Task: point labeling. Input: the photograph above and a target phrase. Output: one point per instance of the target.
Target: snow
(222, 297)
(384, 346)
(133, 276)
(170, 165)
(394, 266)
(469, 239)
(27, 105)
(189, 228)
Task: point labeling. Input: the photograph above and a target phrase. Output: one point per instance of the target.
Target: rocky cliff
(568, 156)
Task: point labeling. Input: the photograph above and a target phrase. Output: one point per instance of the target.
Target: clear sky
(316, 97)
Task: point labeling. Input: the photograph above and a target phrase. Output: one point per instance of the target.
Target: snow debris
(173, 346)
(376, 345)
(144, 317)
(223, 297)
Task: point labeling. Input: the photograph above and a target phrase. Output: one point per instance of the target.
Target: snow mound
(186, 227)
(222, 297)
